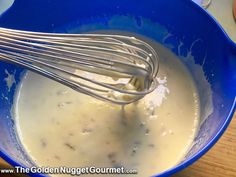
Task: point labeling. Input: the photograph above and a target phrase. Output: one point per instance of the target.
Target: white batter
(60, 127)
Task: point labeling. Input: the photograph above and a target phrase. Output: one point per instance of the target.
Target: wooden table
(220, 161)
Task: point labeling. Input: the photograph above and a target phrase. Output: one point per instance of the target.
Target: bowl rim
(207, 147)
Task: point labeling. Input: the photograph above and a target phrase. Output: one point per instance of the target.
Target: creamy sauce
(60, 127)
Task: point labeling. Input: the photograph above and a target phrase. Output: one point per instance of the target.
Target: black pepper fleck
(71, 134)
(153, 112)
(43, 142)
(70, 146)
(87, 130)
(111, 155)
(147, 131)
(142, 124)
(113, 161)
(134, 151)
(57, 157)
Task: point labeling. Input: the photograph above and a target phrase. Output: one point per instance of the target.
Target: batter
(61, 127)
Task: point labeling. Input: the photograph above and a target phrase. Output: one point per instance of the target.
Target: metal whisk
(115, 68)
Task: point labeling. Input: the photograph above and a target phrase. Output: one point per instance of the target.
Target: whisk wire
(65, 57)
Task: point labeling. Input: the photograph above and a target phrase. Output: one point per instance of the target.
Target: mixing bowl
(182, 26)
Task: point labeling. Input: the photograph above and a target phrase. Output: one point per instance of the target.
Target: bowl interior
(195, 38)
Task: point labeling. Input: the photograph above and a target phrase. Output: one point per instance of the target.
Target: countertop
(219, 161)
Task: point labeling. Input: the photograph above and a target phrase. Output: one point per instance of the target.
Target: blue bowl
(182, 26)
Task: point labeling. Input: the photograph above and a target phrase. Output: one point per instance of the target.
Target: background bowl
(180, 25)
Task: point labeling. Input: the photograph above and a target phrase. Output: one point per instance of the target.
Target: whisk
(116, 68)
